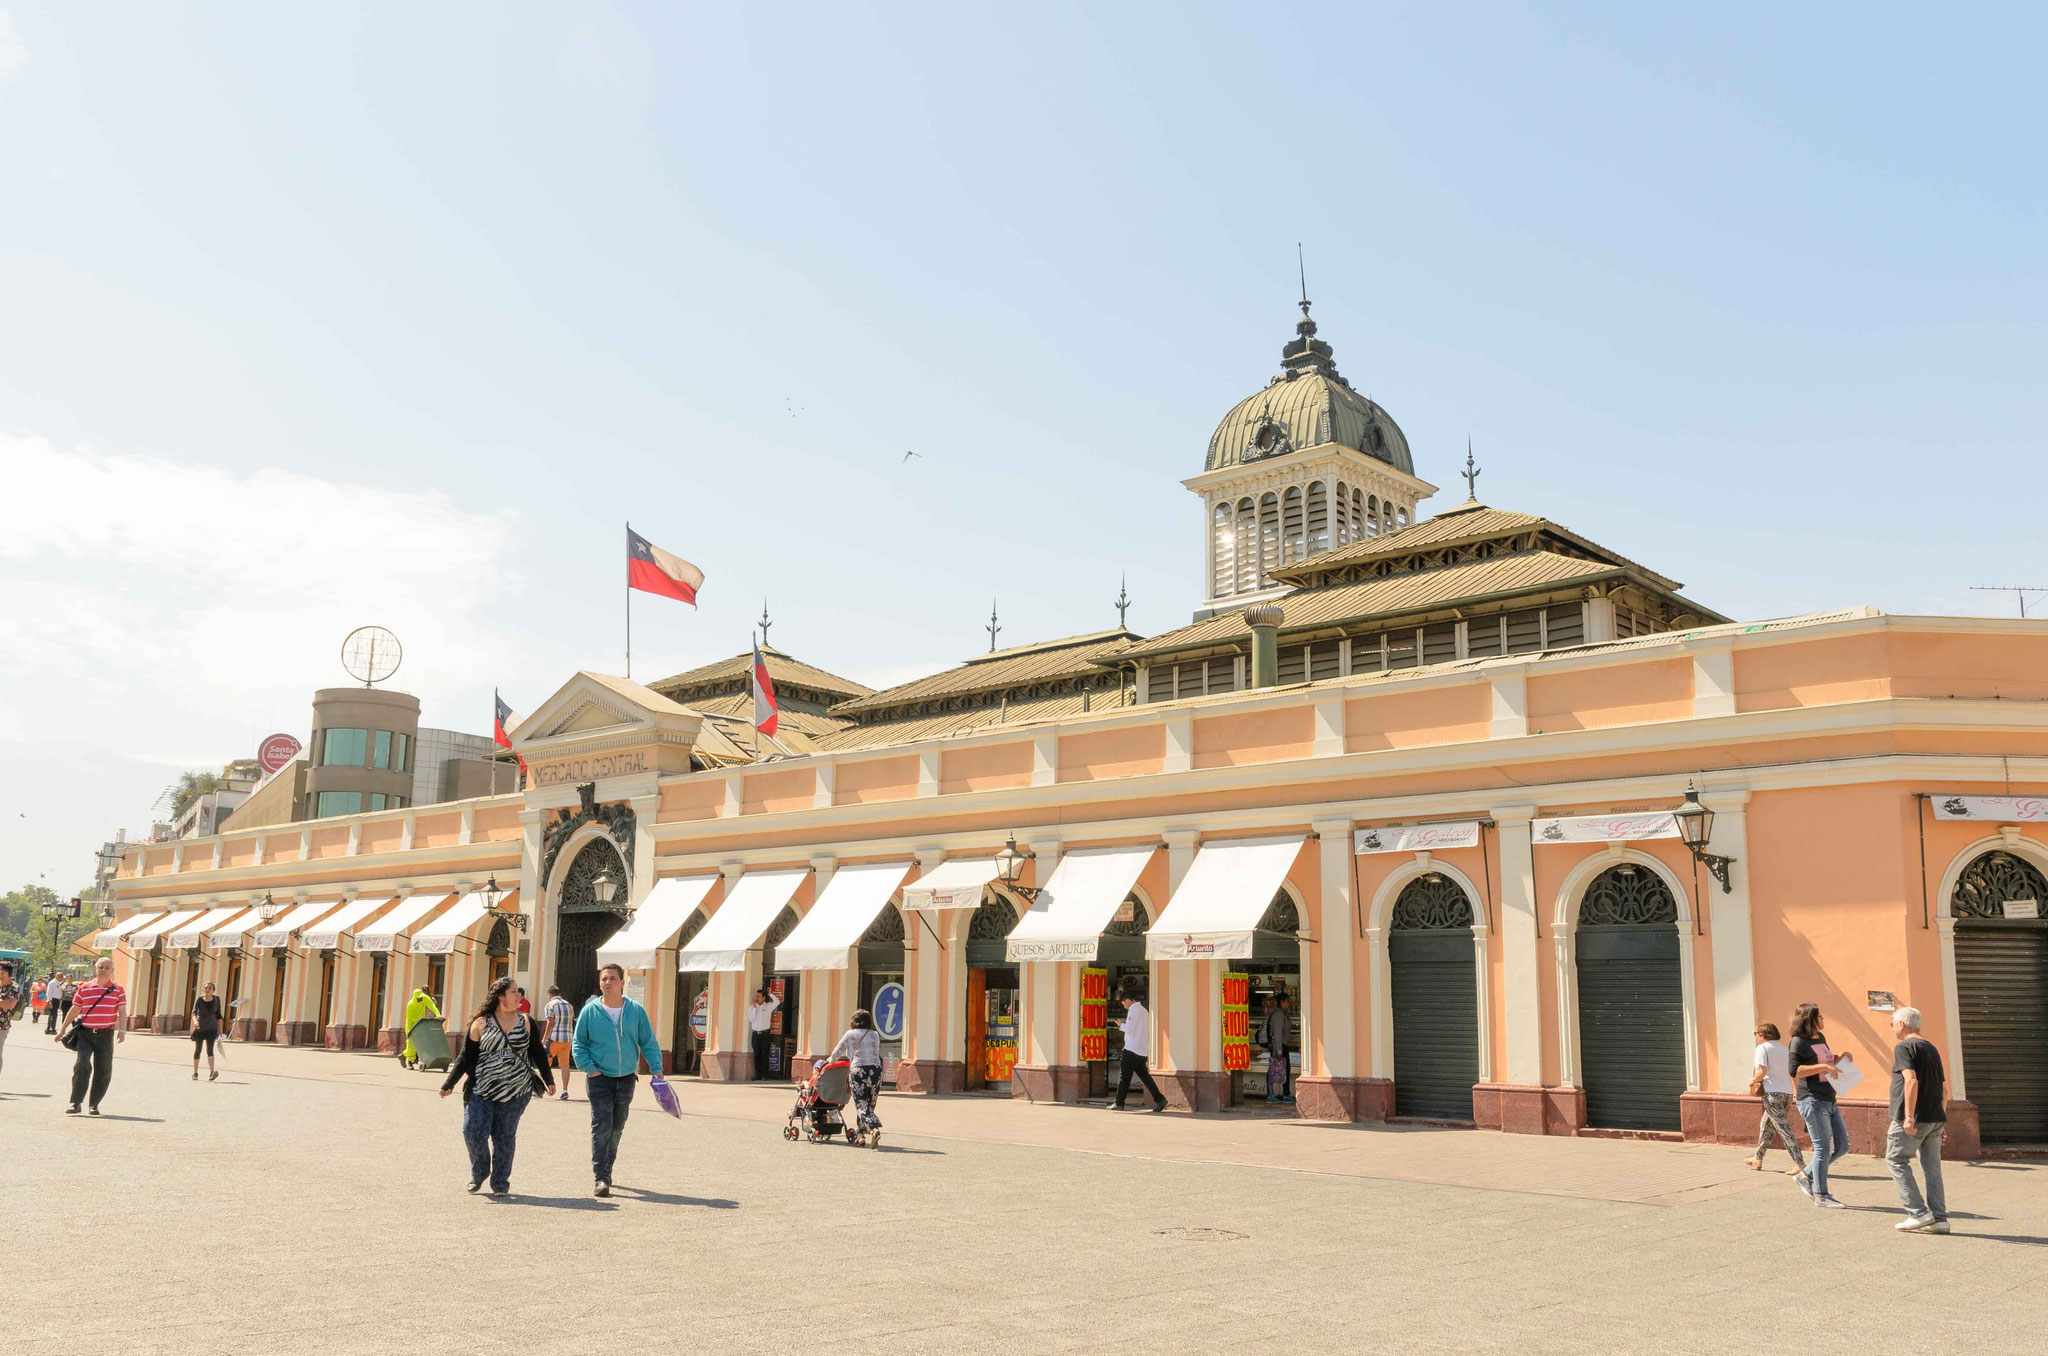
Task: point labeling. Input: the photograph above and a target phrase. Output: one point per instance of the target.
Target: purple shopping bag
(665, 1096)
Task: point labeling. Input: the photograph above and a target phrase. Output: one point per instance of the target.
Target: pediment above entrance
(598, 727)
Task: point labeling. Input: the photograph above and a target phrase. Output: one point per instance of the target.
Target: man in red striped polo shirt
(98, 1009)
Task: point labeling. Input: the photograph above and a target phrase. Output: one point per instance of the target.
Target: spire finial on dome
(1306, 353)
(1471, 474)
(1301, 265)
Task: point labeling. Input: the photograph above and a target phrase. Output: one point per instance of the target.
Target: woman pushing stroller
(862, 1048)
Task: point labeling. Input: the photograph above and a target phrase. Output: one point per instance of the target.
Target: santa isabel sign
(591, 769)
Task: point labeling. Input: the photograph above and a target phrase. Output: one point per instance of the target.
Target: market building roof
(1307, 405)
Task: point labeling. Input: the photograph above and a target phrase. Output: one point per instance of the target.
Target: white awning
(656, 922)
(825, 939)
(438, 937)
(187, 937)
(229, 935)
(327, 936)
(383, 935)
(1221, 899)
(951, 885)
(278, 931)
(158, 926)
(109, 936)
(1066, 920)
(751, 903)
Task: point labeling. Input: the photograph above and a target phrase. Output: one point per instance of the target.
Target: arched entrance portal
(993, 994)
(1631, 1001)
(2002, 995)
(788, 986)
(1275, 969)
(881, 963)
(1435, 1003)
(585, 923)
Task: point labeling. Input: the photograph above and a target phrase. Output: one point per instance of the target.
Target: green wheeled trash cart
(429, 1040)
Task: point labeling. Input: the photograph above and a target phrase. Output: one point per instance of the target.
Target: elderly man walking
(1919, 1116)
(99, 1010)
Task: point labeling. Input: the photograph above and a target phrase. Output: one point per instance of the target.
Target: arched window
(1293, 529)
(1402, 515)
(1318, 518)
(1269, 534)
(1994, 878)
(1245, 546)
(1372, 514)
(1343, 514)
(1627, 895)
(1222, 551)
(1358, 518)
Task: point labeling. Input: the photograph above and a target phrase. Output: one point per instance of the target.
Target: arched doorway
(993, 996)
(498, 955)
(1435, 999)
(881, 963)
(1274, 968)
(586, 924)
(788, 986)
(693, 1005)
(1631, 1001)
(2002, 995)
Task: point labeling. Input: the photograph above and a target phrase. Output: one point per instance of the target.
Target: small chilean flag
(501, 715)
(653, 570)
(765, 709)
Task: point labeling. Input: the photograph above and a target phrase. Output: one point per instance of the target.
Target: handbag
(73, 1038)
(1756, 1083)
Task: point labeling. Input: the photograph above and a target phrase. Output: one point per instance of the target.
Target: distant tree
(191, 786)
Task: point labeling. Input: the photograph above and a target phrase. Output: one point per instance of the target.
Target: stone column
(534, 902)
(728, 1047)
(1335, 1091)
(1041, 1074)
(829, 996)
(1721, 1108)
(1187, 1014)
(1518, 1102)
(927, 1066)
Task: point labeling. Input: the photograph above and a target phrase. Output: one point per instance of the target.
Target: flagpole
(629, 608)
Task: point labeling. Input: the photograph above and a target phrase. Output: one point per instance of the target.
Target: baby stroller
(818, 1104)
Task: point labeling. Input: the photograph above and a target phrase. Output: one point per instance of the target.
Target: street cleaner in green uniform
(422, 1005)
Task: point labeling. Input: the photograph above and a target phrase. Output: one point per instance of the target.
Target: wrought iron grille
(1434, 901)
(886, 930)
(1627, 895)
(577, 896)
(1987, 883)
(500, 944)
(691, 928)
(992, 921)
(1134, 926)
(784, 924)
(1280, 916)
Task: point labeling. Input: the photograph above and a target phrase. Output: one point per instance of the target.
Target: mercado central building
(1426, 773)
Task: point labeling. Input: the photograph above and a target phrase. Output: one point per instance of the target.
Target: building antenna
(991, 628)
(2021, 589)
(1123, 601)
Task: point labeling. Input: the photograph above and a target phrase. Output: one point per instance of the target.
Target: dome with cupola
(1308, 405)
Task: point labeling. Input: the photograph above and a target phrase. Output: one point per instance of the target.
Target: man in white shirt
(760, 1016)
(1137, 1029)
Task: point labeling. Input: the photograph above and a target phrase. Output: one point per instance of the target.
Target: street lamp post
(1696, 830)
(491, 893)
(58, 914)
(1010, 869)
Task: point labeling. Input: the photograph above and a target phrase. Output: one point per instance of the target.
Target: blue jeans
(1900, 1149)
(491, 1130)
(610, 1100)
(1830, 1135)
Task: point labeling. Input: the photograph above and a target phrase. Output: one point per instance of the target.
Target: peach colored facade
(1814, 740)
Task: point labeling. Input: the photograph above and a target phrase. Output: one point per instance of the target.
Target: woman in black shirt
(205, 1030)
(1812, 1062)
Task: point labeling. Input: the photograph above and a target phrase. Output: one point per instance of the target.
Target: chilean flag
(501, 715)
(766, 716)
(653, 570)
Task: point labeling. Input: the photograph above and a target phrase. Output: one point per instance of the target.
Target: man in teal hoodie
(612, 1036)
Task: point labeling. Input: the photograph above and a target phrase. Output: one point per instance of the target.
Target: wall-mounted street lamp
(491, 893)
(1696, 830)
(1010, 864)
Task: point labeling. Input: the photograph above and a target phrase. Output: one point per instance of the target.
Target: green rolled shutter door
(1631, 1026)
(1436, 1022)
(2002, 997)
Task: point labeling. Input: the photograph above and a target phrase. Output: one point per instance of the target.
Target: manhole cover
(1200, 1234)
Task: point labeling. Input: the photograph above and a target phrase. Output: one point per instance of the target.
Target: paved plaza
(311, 1201)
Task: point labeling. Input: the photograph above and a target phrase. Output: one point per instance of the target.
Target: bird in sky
(908, 455)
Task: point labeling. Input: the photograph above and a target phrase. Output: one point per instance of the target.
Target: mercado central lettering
(1421, 773)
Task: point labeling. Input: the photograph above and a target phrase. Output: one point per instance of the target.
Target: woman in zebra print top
(505, 1062)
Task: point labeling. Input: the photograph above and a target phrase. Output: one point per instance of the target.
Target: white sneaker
(1805, 1184)
(1829, 1203)
(1913, 1224)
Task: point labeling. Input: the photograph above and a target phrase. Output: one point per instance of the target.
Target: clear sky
(316, 316)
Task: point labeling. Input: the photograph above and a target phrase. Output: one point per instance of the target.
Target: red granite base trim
(1963, 1140)
(1732, 1117)
(340, 1037)
(1524, 1109)
(252, 1029)
(306, 1033)
(1048, 1082)
(1324, 1097)
(1195, 1089)
(135, 1023)
(932, 1077)
(729, 1066)
(175, 1023)
(800, 1067)
(390, 1040)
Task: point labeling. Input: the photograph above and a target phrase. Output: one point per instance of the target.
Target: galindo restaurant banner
(1606, 828)
(1462, 833)
(1993, 809)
